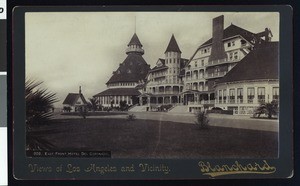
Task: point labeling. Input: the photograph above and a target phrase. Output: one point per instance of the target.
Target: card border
(285, 160)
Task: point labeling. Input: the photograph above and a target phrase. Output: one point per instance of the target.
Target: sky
(66, 50)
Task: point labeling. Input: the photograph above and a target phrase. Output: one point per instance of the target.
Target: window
(230, 56)
(217, 70)
(205, 50)
(236, 55)
(233, 43)
(224, 95)
(196, 64)
(220, 96)
(243, 42)
(231, 96)
(275, 93)
(202, 62)
(250, 94)
(240, 95)
(261, 94)
(229, 44)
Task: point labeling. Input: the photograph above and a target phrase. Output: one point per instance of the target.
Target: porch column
(156, 100)
(148, 100)
(178, 100)
(170, 99)
(141, 100)
(127, 99)
(163, 100)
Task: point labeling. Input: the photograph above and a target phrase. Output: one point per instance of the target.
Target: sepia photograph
(152, 85)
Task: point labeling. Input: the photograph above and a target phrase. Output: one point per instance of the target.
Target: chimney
(217, 51)
(79, 89)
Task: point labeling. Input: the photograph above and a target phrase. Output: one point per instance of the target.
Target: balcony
(220, 62)
(139, 50)
(215, 75)
(166, 92)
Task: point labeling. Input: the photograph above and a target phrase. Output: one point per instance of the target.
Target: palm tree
(267, 108)
(39, 105)
(93, 104)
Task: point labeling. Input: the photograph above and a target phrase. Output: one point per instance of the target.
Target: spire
(173, 46)
(79, 89)
(134, 40)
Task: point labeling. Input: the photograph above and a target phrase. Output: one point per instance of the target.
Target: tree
(93, 104)
(269, 109)
(202, 120)
(123, 105)
(39, 105)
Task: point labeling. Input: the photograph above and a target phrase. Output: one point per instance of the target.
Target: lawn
(160, 139)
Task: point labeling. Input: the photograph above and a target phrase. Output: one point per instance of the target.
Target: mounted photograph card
(175, 92)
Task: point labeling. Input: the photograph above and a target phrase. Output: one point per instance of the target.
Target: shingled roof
(173, 46)
(261, 63)
(134, 40)
(234, 30)
(133, 69)
(119, 92)
(72, 98)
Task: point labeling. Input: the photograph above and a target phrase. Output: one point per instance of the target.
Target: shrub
(83, 112)
(269, 109)
(131, 117)
(67, 109)
(202, 120)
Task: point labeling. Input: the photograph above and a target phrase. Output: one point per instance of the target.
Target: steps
(179, 109)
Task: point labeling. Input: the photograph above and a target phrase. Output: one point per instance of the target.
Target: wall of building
(247, 94)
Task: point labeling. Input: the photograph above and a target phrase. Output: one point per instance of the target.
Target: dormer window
(243, 42)
(229, 44)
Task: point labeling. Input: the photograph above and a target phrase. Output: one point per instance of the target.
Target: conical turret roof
(173, 46)
(134, 40)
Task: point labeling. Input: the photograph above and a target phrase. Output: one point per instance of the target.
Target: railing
(193, 79)
(164, 92)
(215, 75)
(134, 50)
(202, 102)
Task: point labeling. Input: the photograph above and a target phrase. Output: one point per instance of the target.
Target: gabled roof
(173, 46)
(234, 30)
(261, 63)
(134, 40)
(119, 92)
(158, 68)
(133, 69)
(72, 98)
(163, 61)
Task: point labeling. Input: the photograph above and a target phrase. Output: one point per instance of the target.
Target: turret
(135, 46)
(173, 58)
